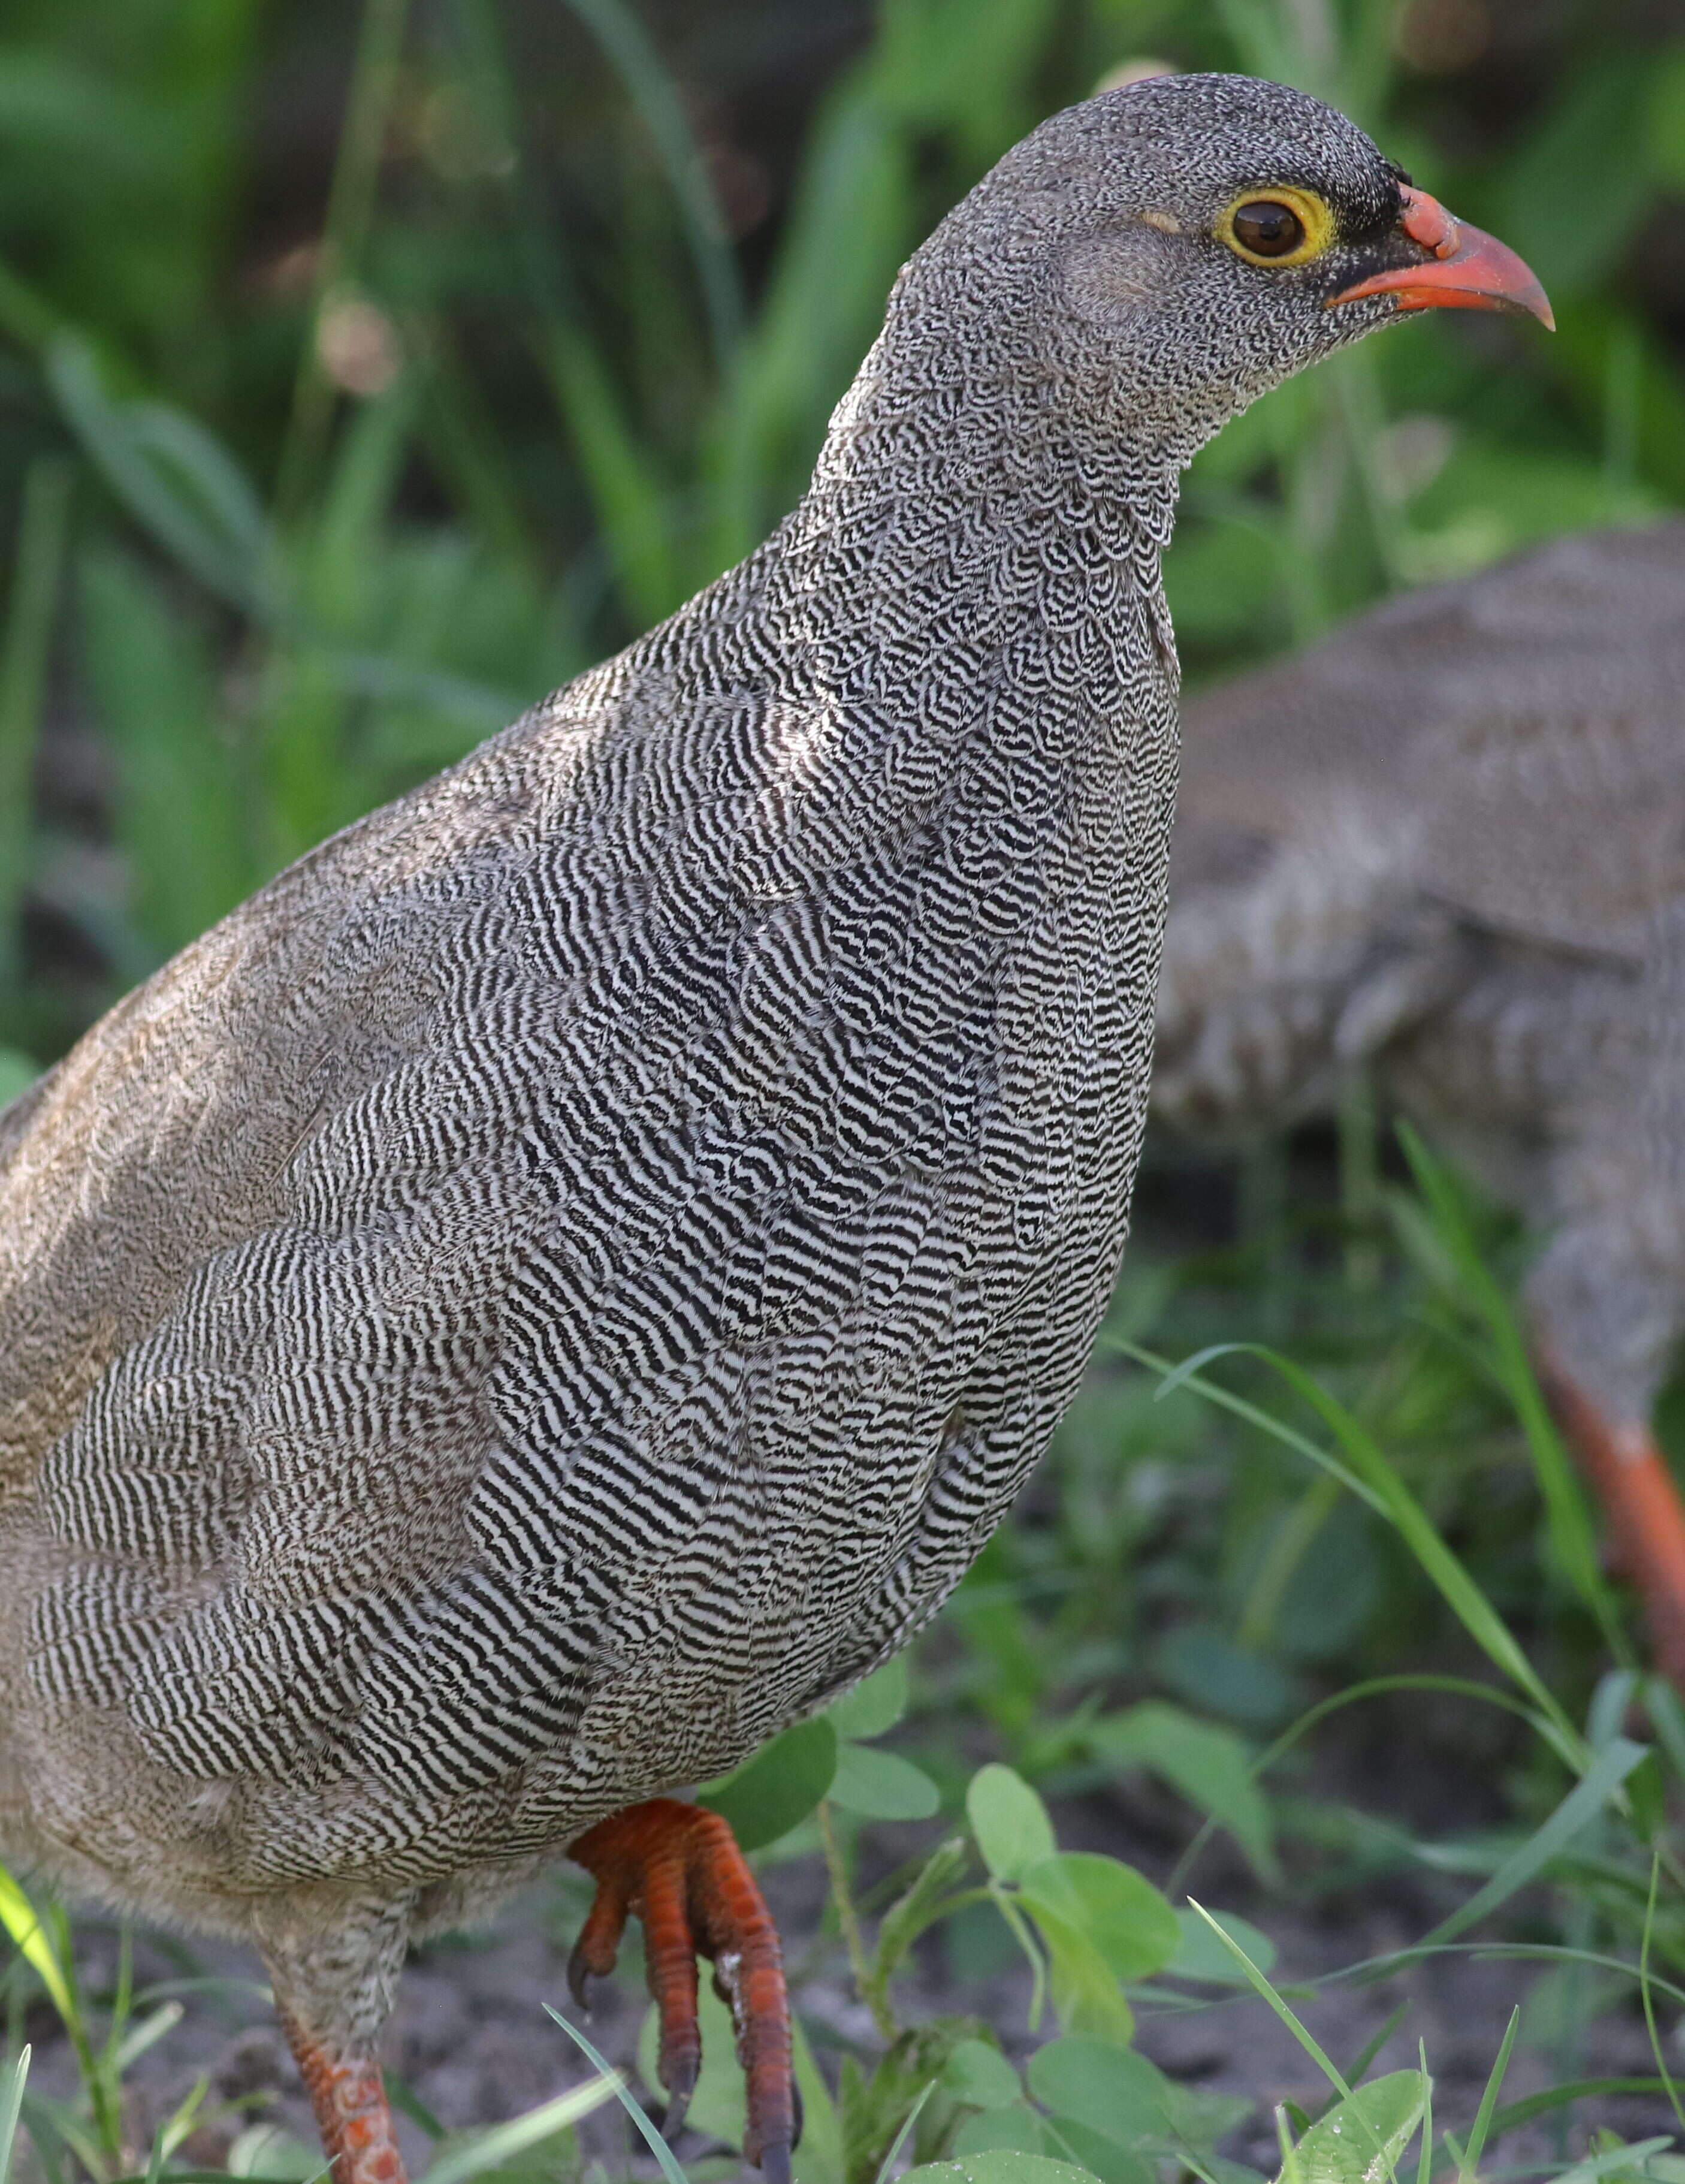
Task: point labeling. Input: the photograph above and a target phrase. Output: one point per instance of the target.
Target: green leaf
(17, 1073)
(11, 2101)
(152, 680)
(981, 2075)
(882, 1785)
(1085, 1989)
(19, 1916)
(925, 1902)
(1111, 2090)
(1103, 2157)
(876, 1705)
(1202, 1956)
(1122, 1914)
(1010, 1822)
(1375, 1480)
(1016, 2130)
(997, 2168)
(178, 482)
(1212, 1766)
(772, 1792)
(1361, 2137)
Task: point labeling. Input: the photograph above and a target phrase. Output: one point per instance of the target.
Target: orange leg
(1646, 1516)
(352, 2113)
(677, 1868)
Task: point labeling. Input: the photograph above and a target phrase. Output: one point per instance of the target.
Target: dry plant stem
(351, 200)
(1630, 1477)
(847, 1920)
(352, 2114)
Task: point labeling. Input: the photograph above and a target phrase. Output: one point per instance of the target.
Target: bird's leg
(1632, 1478)
(352, 2110)
(333, 1961)
(677, 1868)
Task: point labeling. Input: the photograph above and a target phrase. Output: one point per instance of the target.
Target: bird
(564, 1280)
(1448, 845)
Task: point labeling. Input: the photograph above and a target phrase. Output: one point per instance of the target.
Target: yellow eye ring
(1258, 214)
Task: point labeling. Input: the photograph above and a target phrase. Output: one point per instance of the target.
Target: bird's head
(1163, 253)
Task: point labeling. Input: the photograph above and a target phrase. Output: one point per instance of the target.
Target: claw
(579, 1983)
(677, 1868)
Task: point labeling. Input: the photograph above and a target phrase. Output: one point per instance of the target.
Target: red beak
(1468, 271)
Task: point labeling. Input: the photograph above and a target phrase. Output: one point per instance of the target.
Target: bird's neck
(969, 561)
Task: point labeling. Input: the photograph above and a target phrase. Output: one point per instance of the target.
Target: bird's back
(1511, 744)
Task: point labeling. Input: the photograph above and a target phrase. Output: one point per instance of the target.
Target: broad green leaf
(1110, 2091)
(1120, 1911)
(771, 1793)
(1202, 1955)
(1103, 2157)
(1210, 1765)
(876, 1705)
(1199, 2119)
(1016, 2130)
(1085, 1989)
(981, 2074)
(1010, 1822)
(17, 1073)
(997, 2168)
(882, 1785)
(1361, 2137)
(153, 679)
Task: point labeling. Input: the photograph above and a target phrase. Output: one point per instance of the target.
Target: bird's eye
(1283, 226)
(1268, 230)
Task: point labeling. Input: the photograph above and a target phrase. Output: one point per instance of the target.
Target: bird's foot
(677, 1868)
(352, 2110)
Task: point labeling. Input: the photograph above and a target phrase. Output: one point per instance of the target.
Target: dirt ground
(470, 2041)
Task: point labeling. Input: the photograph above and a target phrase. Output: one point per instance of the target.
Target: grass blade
(1572, 1535)
(1384, 1490)
(622, 37)
(11, 2103)
(666, 2158)
(490, 2149)
(1261, 1985)
(1489, 2100)
(1607, 1772)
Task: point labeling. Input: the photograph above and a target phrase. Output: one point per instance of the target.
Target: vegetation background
(365, 372)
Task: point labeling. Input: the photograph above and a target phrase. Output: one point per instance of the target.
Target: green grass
(364, 375)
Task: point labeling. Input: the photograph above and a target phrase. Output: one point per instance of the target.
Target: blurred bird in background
(1448, 844)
